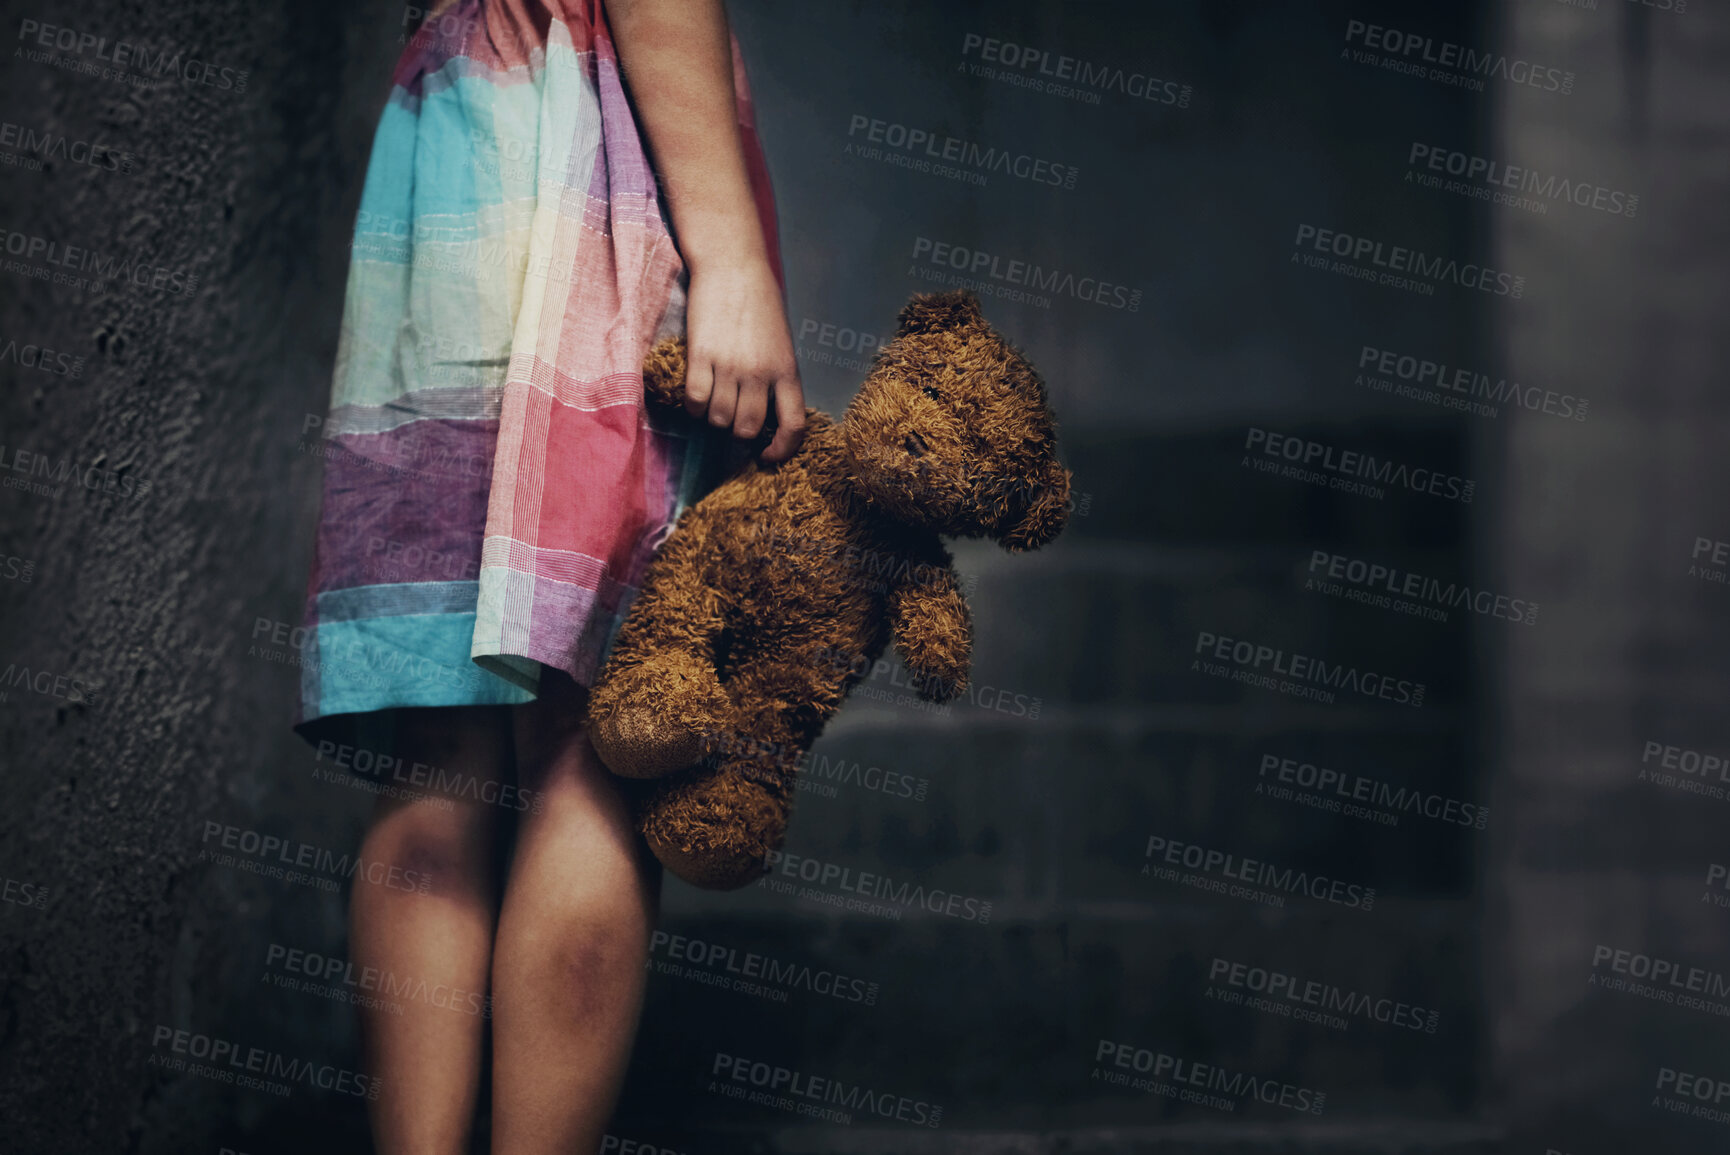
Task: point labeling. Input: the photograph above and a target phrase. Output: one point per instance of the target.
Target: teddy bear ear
(934, 312)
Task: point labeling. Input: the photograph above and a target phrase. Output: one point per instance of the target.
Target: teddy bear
(780, 589)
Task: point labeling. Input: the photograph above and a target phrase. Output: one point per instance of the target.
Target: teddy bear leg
(658, 715)
(716, 829)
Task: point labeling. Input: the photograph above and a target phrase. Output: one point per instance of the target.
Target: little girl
(553, 185)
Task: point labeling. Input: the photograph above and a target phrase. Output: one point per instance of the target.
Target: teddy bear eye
(931, 392)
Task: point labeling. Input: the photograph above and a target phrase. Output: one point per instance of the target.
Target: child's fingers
(724, 399)
(790, 419)
(699, 384)
(753, 407)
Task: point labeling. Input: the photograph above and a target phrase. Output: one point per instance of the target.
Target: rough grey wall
(150, 595)
(1609, 847)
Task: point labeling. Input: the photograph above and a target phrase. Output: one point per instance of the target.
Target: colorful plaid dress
(493, 484)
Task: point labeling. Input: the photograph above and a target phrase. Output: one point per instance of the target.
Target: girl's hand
(739, 355)
(678, 61)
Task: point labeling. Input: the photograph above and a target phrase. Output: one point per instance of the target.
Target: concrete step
(1114, 635)
(1121, 623)
(1387, 1025)
(1044, 811)
(1192, 487)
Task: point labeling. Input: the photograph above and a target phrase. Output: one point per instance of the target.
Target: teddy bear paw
(938, 683)
(717, 831)
(656, 719)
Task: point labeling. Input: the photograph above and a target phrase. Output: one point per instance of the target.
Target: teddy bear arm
(934, 633)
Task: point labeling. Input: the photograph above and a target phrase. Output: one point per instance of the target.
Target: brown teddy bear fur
(778, 590)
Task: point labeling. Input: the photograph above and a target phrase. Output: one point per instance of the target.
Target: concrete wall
(1609, 843)
(197, 386)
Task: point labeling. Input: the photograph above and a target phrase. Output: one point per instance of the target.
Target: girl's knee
(452, 847)
(595, 964)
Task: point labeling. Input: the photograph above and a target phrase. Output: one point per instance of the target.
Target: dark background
(155, 597)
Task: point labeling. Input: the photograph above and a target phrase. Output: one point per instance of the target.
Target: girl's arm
(678, 63)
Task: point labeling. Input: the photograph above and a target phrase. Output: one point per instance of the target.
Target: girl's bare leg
(428, 1058)
(573, 939)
